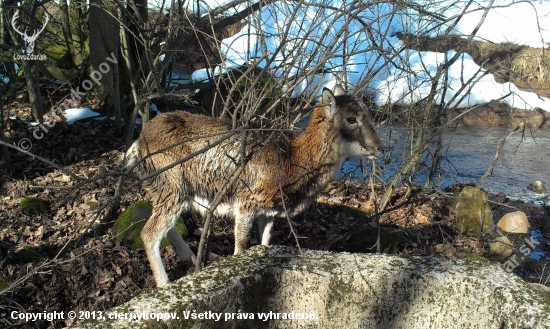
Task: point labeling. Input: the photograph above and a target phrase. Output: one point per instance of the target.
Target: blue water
(467, 154)
(542, 251)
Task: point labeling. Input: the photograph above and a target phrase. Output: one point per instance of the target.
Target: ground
(67, 259)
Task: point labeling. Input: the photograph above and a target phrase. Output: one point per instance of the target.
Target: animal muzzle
(374, 155)
(372, 152)
(379, 151)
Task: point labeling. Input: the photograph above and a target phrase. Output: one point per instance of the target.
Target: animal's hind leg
(161, 222)
(180, 246)
(151, 235)
(265, 224)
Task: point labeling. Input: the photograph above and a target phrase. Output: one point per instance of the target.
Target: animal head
(28, 39)
(354, 122)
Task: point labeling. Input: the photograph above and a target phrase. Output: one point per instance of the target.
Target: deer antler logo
(29, 39)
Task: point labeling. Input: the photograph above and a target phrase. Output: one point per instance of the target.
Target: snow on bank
(73, 115)
(357, 44)
(396, 86)
(76, 114)
(519, 22)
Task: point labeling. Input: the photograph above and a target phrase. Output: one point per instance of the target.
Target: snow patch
(73, 115)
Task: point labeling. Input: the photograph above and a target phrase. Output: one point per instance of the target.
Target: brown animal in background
(302, 166)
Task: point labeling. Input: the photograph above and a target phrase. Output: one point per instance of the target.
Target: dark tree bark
(138, 10)
(33, 90)
(5, 154)
(78, 20)
(3, 27)
(105, 43)
(66, 27)
(30, 67)
(4, 36)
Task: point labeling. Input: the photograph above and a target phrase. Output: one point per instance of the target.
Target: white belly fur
(202, 205)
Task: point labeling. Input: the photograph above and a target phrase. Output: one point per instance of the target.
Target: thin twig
(283, 203)
(375, 203)
(497, 154)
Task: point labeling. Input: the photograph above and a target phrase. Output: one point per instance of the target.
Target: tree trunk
(143, 10)
(31, 71)
(175, 17)
(104, 43)
(33, 89)
(5, 154)
(3, 27)
(136, 48)
(131, 74)
(66, 27)
(4, 37)
(138, 8)
(78, 21)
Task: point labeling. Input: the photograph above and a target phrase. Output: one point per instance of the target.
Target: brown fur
(303, 165)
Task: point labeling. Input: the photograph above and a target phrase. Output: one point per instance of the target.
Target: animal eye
(352, 120)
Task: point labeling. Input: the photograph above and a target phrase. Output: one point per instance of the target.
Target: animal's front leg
(265, 224)
(243, 226)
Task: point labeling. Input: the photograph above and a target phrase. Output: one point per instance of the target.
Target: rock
(130, 223)
(544, 290)
(33, 206)
(472, 213)
(501, 247)
(514, 222)
(497, 114)
(319, 289)
(537, 187)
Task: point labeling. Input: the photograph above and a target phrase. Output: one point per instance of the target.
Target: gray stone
(501, 247)
(537, 187)
(544, 290)
(472, 213)
(514, 222)
(341, 290)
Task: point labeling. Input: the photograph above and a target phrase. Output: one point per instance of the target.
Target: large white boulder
(276, 287)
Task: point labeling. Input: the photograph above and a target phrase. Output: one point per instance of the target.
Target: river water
(468, 153)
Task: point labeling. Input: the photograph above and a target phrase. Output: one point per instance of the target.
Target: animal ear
(330, 101)
(339, 91)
